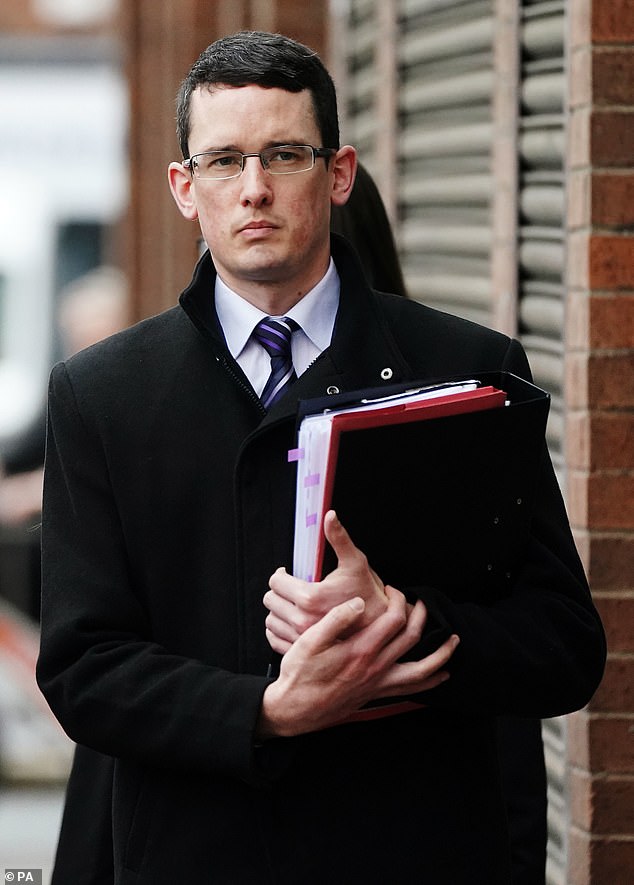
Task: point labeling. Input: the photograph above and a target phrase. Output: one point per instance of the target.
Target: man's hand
(331, 670)
(296, 605)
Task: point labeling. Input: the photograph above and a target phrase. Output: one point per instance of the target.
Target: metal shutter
(416, 91)
(541, 293)
(541, 247)
(444, 183)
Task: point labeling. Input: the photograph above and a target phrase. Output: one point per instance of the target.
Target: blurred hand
(21, 497)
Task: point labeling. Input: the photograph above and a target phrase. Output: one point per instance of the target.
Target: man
(168, 511)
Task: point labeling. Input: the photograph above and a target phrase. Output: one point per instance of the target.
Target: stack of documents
(434, 484)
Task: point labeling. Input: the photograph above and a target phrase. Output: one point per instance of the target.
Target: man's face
(262, 229)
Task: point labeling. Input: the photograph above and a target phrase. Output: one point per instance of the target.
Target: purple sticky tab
(295, 455)
(311, 519)
(311, 480)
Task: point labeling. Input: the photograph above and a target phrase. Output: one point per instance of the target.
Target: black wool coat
(168, 505)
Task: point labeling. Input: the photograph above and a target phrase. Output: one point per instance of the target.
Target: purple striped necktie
(275, 338)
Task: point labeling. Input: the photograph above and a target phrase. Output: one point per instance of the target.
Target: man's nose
(255, 182)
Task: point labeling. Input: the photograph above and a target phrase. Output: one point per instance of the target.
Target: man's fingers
(338, 538)
(280, 628)
(395, 630)
(333, 625)
(288, 587)
(281, 646)
(415, 676)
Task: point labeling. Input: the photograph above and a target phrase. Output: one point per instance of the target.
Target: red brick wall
(600, 423)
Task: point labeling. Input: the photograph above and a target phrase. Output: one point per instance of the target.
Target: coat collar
(363, 352)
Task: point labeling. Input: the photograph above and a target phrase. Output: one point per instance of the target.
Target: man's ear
(180, 183)
(344, 169)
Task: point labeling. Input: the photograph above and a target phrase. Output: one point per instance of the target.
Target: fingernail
(455, 640)
(357, 604)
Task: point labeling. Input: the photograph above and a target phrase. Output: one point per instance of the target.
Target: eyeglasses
(285, 159)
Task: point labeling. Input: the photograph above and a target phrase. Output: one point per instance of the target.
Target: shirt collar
(315, 312)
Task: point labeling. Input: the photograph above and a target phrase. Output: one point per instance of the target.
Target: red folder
(367, 415)
(398, 413)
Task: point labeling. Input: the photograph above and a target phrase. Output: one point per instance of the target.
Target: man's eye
(224, 161)
(285, 156)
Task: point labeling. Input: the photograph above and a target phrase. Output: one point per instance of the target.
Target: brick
(612, 76)
(612, 138)
(601, 742)
(578, 739)
(616, 692)
(617, 614)
(583, 539)
(576, 380)
(611, 861)
(599, 440)
(611, 262)
(577, 441)
(611, 435)
(610, 562)
(611, 743)
(613, 805)
(579, 126)
(610, 379)
(580, 80)
(579, 854)
(602, 804)
(612, 199)
(610, 501)
(578, 260)
(579, 199)
(611, 319)
(606, 860)
(577, 320)
(612, 21)
(577, 497)
(580, 795)
(579, 23)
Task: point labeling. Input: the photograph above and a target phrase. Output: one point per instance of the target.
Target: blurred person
(167, 512)
(91, 308)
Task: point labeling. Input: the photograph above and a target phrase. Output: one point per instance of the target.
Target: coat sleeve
(540, 651)
(110, 686)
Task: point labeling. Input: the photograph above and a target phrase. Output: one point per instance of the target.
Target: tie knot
(275, 335)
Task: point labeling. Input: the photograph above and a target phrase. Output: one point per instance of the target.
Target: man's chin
(264, 269)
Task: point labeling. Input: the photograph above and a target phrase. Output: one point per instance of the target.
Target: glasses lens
(282, 160)
(288, 158)
(217, 164)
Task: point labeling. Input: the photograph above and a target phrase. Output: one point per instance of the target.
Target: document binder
(436, 493)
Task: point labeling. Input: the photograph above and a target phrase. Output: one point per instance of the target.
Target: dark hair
(364, 223)
(261, 59)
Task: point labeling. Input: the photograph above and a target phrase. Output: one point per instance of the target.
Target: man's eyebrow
(228, 147)
(269, 144)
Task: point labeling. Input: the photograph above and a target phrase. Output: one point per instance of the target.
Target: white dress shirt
(315, 314)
